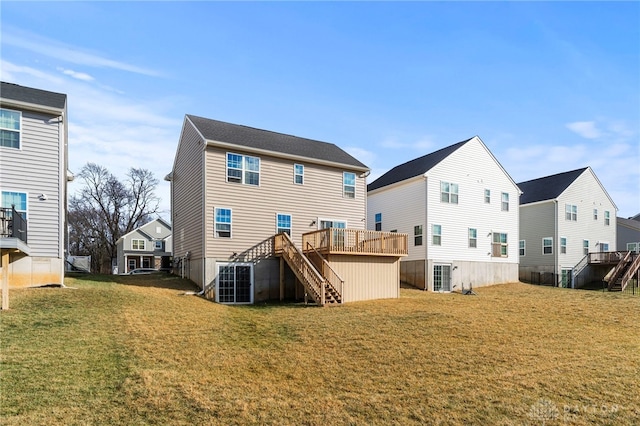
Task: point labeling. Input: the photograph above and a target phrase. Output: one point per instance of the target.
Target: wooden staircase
(321, 284)
(618, 278)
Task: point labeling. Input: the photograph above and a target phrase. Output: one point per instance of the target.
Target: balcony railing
(12, 224)
(355, 241)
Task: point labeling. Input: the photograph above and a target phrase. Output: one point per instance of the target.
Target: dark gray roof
(250, 137)
(548, 187)
(415, 167)
(33, 96)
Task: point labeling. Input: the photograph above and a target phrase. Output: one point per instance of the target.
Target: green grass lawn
(136, 350)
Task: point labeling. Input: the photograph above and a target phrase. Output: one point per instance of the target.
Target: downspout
(425, 232)
(555, 244)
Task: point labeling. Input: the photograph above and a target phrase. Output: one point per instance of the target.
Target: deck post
(5, 280)
(281, 278)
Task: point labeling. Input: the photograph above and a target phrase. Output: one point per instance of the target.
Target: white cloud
(75, 74)
(424, 144)
(63, 52)
(586, 129)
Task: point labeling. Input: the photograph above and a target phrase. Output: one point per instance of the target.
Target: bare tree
(106, 209)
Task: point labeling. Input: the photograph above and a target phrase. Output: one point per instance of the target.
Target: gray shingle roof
(414, 167)
(33, 96)
(244, 136)
(548, 187)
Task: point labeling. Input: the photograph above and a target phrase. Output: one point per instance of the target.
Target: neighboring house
(563, 218)
(628, 233)
(33, 182)
(460, 209)
(148, 246)
(233, 188)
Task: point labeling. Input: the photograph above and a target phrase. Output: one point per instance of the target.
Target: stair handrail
(632, 269)
(617, 270)
(307, 273)
(580, 266)
(331, 278)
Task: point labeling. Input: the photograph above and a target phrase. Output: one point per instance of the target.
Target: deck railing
(302, 267)
(332, 277)
(12, 224)
(355, 241)
(633, 269)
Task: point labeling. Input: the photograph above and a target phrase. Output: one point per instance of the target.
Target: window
(487, 196)
(563, 245)
(394, 230)
(10, 128)
(324, 224)
(604, 247)
(283, 223)
(522, 248)
(223, 223)
(634, 247)
(595, 214)
(606, 218)
(505, 202)
(417, 235)
(243, 169)
(132, 264)
(442, 278)
(547, 246)
(349, 185)
(585, 247)
(159, 245)
(234, 283)
(500, 246)
(473, 237)
(17, 199)
(378, 221)
(449, 192)
(571, 212)
(137, 244)
(158, 229)
(298, 174)
(436, 235)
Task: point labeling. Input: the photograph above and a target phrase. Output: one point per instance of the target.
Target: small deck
(355, 242)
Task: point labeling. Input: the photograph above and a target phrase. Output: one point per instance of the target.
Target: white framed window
(132, 264)
(417, 235)
(298, 174)
(442, 278)
(234, 283)
(585, 247)
(487, 196)
(522, 247)
(283, 223)
(159, 245)
(500, 247)
(349, 185)
(378, 222)
(137, 244)
(606, 218)
(436, 235)
(222, 219)
(10, 128)
(563, 245)
(604, 247)
(547, 245)
(634, 247)
(504, 205)
(448, 192)
(473, 238)
(331, 223)
(595, 214)
(17, 199)
(571, 212)
(243, 169)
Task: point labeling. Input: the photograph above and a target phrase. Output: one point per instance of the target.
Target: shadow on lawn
(158, 280)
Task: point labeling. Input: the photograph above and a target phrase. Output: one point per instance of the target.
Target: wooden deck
(355, 242)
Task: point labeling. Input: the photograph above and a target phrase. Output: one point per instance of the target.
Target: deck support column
(281, 278)
(5, 280)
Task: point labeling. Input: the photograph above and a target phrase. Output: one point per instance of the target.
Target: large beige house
(261, 215)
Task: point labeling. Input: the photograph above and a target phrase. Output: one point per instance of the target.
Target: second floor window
(17, 199)
(298, 174)
(417, 235)
(436, 235)
(547, 246)
(522, 247)
(585, 247)
(159, 245)
(137, 244)
(243, 169)
(595, 214)
(378, 221)
(563, 245)
(606, 218)
(473, 237)
(449, 192)
(571, 212)
(222, 223)
(10, 128)
(349, 185)
(505, 202)
(487, 196)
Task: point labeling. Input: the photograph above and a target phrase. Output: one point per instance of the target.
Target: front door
(234, 283)
(442, 278)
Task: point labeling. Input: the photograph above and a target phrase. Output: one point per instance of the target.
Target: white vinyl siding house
(449, 192)
(558, 222)
(148, 246)
(33, 171)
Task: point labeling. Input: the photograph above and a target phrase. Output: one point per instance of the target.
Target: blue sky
(548, 86)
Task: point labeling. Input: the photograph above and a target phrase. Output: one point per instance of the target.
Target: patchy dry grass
(134, 350)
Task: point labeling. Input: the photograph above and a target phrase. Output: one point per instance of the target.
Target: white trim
(215, 231)
(298, 174)
(290, 222)
(324, 219)
(19, 148)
